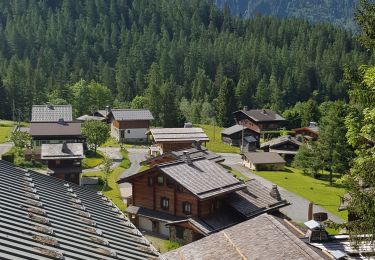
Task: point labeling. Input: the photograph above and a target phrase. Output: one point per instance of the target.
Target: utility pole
(243, 129)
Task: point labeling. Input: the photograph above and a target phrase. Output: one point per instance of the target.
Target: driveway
(5, 147)
(297, 211)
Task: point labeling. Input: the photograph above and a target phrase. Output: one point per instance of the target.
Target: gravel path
(297, 211)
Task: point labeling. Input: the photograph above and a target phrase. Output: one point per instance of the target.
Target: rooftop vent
(187, 158)
(245, 108)
(275, 192)
(61, 121)
(65, 148)
(188, 125)
(264, 112)
(50, 106)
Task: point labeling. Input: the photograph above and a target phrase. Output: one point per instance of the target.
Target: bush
(125, 163)
(8, 156)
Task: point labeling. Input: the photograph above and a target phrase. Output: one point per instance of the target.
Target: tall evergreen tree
(226, 103)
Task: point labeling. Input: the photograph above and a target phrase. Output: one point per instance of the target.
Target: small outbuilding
(287, 146)
(261, 161)
(233, 135)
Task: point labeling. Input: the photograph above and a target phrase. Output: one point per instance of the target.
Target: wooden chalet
(171, 139)
(286, 146)
(310, 133)
(188, 199)
(64, 160)
(197, 150)
(262, 161)
(130, 125)
(259, 120)
(233, 136)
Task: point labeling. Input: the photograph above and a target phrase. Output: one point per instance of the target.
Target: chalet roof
(43, 217)
(199, 225)
(261, 115)
(178, 134)
(62, 151)
(281, 140)
(55, 129)
(202, 177)
(250, 139)
(199, 152)
(262, 237)
(313, 127)
(87, 118)
(152, 214)
(51, 113)
(131, 114)
(254, 200)
(233, 129)
(263, 157)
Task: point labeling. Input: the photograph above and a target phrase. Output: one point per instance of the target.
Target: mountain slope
(339, 12)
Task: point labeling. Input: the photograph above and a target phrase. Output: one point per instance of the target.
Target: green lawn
(92, 159)
(215, 144)
(5, 132)
(111, 142)
(317, 191)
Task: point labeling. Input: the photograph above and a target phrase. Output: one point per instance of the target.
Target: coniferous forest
(184, 60)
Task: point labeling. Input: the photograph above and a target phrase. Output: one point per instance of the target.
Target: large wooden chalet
(238, 135)
(259, 120)
(188, 199)
(171, 139)
(130, 125)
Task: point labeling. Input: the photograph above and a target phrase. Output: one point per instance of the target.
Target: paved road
(136, 155)
(5, 147)
(297, 211)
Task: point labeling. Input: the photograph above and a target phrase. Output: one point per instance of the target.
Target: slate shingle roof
(131, 114)
(232, 130)
(55, 129)
(262, 237)
(281, 140)
(56, 151)
(262, 115)
(42, 217)
(51, 113)
(178, 134)
(263, 157)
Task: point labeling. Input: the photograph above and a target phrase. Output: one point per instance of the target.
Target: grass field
(92, 159)
(317, 191)
(5, 132)
(215, 143)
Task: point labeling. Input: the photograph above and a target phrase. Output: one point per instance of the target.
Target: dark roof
(131, 114)
(263, 157)
(178, 134)
(197, 223)
(152, 214)
(281, 140)
(263, 237)
(250, 139)
(62, 151)
(88, 118)
(202, 177)
(43, 217)
(254, 200)
(233, 129)
(199, 152)
(51, 113)
(262, 115)
(55, 129)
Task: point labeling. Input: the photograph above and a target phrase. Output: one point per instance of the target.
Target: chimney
(245, 108)
(264, 111)
(187, 158)
(108, 109)
(50, 106)
(188, 125)
(275, 193)
(310, 211)
(61, 121)
(65, 148)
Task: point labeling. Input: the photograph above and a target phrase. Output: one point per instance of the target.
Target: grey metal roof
(51, 113)
(42, 217)
(153, 214)
(202, 177)
(254, 200)
(263, 157)
(233, 129)
(250, 139)
(55, 129)
(178, 134)
(281, 140)
(131, 114)
(87, 118)
(199, 152)
(262, 115)
(62, 151)
(262, 237)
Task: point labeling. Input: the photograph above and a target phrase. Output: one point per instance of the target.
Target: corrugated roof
(51, 113)
(281, 140)
(55, 129)
(263, 157)
(262, 237)
(42, 217)
(131, 114)
(202, 177)
(178, 134)
(56, 151)
(262, 115)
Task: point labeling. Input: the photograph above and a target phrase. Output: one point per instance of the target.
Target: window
(170, 182)
(122, 133)
(150, 181)
(160, 180)
(186, 208)
(164, 203)
(128, 131)
(179, 232)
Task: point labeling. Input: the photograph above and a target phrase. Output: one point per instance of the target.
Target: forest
(184, 60)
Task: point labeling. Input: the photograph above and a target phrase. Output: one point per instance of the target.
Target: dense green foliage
(96, 133)
(339, 12)
(48, 46)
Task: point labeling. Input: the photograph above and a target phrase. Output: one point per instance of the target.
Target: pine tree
(226, 103)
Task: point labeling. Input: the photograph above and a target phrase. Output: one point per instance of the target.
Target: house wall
(142, 193)
(189, 235)
(167, 146)
(130, 131)
(263, 167)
